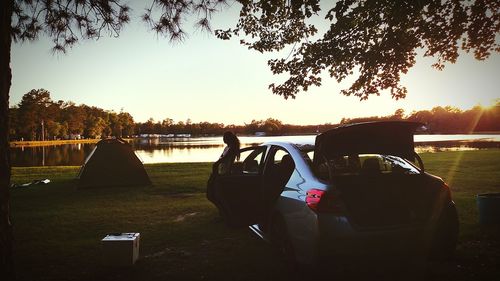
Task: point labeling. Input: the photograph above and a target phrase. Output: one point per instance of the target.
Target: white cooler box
(120, 249)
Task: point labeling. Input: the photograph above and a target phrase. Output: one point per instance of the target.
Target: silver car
(356, 191)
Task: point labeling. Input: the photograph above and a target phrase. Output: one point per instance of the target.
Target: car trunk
(389, 199)
(389, 138)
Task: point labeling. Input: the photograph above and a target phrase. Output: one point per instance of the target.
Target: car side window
(364, 164)
(250, 161)
(280, 164)
(278, 156)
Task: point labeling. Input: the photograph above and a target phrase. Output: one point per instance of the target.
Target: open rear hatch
(393, 196)
(389, 138)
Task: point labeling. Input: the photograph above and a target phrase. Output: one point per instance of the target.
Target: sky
(208, 79)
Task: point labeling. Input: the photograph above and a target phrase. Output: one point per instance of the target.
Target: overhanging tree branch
(374, 41)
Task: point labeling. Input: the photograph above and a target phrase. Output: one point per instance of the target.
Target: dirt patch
(169, 251)
(181, 218)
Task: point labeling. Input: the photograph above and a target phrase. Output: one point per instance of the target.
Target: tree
(127, 123)
(14, 122)
(380, 38)
(115, 126)
(53, 129)
(399, 114)
(148, 127)
(95, 127)
(375, 41)
(22, 20)
(75, 117)
(272, 126)
(254, 126)
(35, 107)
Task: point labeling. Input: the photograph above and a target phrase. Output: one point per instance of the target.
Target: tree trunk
(6, 236)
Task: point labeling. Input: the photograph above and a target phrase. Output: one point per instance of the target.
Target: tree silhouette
(374, 41)
(66, 22)
(33, 108)
(62, 120)
(377, 38)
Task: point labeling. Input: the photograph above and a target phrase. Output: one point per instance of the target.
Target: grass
(469, 173)
(58, 227)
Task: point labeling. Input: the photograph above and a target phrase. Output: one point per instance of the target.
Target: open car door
(238, 193)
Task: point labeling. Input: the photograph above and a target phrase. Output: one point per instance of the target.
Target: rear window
(364, 164)
(307, 152)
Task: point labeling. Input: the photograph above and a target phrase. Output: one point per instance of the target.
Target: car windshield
(364, 164)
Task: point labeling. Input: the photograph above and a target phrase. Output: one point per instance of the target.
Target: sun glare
(490, 106)
(459, 156)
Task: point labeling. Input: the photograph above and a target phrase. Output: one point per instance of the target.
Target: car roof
(301, 144)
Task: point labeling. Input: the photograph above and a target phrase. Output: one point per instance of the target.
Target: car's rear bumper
(337, 237)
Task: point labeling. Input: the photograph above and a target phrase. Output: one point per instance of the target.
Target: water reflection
(455, 138)
(55, 155)
(209, 149)
(180, 154)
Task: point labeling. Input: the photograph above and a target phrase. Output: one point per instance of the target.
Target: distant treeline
(37, 117)
(446, 120)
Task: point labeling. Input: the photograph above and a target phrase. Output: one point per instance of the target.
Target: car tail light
(448, 190)
(321, 201)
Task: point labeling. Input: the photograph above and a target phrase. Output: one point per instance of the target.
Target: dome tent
(112, 163)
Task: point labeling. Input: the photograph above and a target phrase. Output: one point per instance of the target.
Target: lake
(208, 149)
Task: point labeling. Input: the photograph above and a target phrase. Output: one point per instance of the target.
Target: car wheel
(281, 241)
(446, 235)
(226, 217)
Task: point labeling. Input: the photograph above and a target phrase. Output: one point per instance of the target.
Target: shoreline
(428, 142)
(87, 141)
(53, 142)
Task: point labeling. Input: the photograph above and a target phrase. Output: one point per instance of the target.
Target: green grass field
(58, 227)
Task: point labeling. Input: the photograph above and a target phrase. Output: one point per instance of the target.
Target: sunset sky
(207, 79)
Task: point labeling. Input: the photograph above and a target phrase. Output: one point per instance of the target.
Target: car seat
(371, 166)
(281, 175)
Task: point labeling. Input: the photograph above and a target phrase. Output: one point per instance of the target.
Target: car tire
(281, 241)
(446, 235)
(226, 217)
